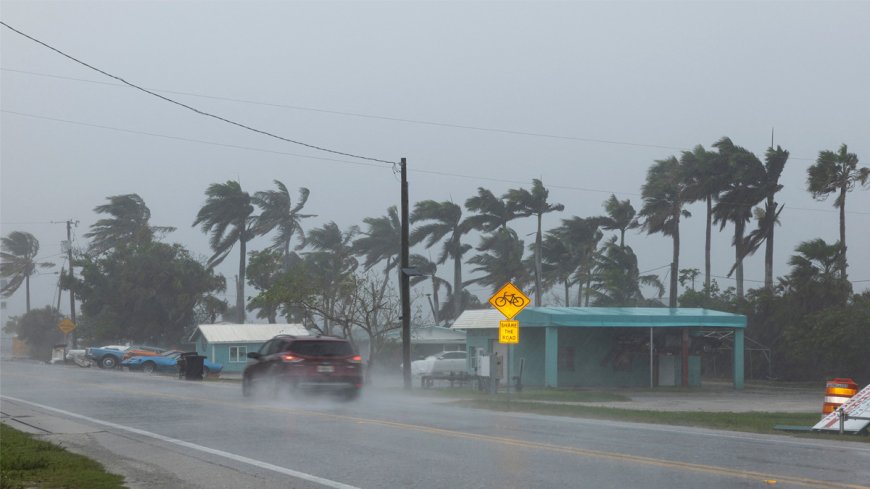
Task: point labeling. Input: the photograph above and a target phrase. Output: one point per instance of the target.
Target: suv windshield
(321, 348)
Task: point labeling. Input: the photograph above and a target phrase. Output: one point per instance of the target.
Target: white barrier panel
(858, 406)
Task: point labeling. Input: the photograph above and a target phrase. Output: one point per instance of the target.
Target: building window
(238, 354)
(566, 358)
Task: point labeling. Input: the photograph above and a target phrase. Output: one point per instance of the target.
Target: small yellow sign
(509, 332)
(509, 300)
(66, 326)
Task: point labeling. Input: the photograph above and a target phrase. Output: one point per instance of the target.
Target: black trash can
(191, 365)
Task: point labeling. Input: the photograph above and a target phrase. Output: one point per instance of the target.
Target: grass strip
(554, 395)
(752, 422)
(28, 463)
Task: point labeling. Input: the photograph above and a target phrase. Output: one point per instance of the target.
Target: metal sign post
(509, 300)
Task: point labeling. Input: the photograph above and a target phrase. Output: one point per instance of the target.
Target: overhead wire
(191, 108)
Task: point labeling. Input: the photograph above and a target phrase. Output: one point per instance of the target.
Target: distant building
(229, 344)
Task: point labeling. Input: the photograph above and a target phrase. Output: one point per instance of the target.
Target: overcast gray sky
(656, 76)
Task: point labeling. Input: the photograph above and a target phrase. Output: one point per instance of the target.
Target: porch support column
(551, 357)
(738, 358)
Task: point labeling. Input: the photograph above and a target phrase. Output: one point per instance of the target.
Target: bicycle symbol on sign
(512, 299)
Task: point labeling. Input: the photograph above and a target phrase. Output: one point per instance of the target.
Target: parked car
(109, 356)
(320, 363)
(167, 362)
(142, 351)
(442, 363)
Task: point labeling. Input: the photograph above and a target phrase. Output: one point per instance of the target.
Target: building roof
(605, 317)
(436, 335)
(245, 333)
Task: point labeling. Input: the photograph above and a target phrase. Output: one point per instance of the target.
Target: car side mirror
(254, 355)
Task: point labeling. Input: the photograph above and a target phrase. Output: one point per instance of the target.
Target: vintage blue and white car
(167, 362)
(108, 356)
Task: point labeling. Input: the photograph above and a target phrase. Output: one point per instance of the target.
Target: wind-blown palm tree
(492, 212)
(706, 173)
(620, 216)
(768, 216)
(618, 281)
(333, 261)
(444, 219)
(837, 172)
(527, 203)
(128, 224)
(741, 193)
(227, 217)
(428, 269)
(277, 212)
(559, 261)
(580, 237)
(664, 195)
(18, 262)
(500, 260)
(381, 242)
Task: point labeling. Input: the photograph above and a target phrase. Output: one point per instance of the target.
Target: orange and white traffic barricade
(837, 392)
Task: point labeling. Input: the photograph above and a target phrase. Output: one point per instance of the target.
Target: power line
(189, 140)
(358, 163)
(193, 109)
(379, 117)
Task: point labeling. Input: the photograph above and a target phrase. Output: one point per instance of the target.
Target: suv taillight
(290, 358)
(355, 359)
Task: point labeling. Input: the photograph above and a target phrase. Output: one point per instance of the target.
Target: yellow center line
(513, 442)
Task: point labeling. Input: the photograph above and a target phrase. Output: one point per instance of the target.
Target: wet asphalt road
(162, 432)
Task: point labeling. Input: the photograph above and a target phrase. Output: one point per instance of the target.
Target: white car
(442, 363)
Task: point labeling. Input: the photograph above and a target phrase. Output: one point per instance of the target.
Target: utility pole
(72, 298)
(406, 282)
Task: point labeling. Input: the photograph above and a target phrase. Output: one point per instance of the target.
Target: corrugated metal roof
(605, 317)
(246, 333)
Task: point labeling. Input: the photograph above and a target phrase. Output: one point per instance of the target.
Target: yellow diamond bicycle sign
(66, 326)
(509, 300)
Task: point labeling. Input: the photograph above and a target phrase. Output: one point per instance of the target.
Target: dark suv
(305, 362)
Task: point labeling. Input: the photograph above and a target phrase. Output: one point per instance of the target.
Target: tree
(688, 276)
(814, 278)
(768, 216)
(492, 212)
(837, 172)
(664, 195)
(264, 269)
(527, 203)
(559, 261)
(18, 262)
(226, 215)
(743, 190)
(501, 260)
(331, 265)
(580, 238)
(146, 293)
(38, 328)
(428, 269)
(706, 174)
(277, 212)
(381, 242)
(128, 224)
(443, 220)
(620, 216)
(617, 281)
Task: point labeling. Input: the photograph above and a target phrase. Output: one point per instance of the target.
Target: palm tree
(768, 216)
(333, 261)
(492, 212)
(618, 280)
(427, 268)
(559, 261)
(128, 224)
(664, 195)
(620, 215)
(444, 219)
(19, 250)
(741, 193)
(381, 242)
(278, 212)
(527, 203)
(501, 260)
(226, 215)
(705, 176)
(580, 237)
(815, 276)
(837, 172)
